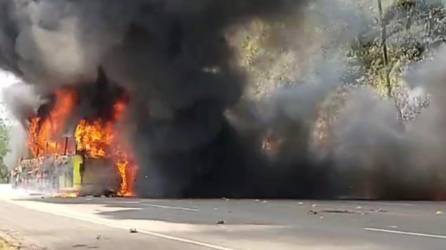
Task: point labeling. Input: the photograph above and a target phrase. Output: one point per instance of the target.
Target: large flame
(100, 139)
(95, 138)
(45, 133)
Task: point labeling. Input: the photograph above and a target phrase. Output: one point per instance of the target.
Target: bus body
(67, 175)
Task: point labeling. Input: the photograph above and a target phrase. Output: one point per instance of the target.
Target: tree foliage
(4, 141)
(414, 30)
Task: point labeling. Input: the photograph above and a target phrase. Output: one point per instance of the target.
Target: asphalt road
(104, 223)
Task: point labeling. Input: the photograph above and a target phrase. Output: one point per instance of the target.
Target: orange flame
(94, 138)
(45, 134)
(97, 139)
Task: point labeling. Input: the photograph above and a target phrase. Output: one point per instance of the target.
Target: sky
(6, 80)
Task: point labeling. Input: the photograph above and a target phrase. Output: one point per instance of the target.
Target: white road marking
(158, 206)
(110, 223)
(193, 242)
(436, 236)
(170, 207)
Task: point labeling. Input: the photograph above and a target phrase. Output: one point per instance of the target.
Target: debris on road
(335, 211)
(133, 230)
(312, 212)
(340, 211)
(220, 222)
(439, 212)
(79, 246)
(378, 210)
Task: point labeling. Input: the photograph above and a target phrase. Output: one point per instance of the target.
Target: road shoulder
(10, 241)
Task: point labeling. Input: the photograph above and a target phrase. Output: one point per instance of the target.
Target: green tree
(4, 141)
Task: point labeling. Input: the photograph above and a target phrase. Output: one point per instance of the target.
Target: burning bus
(72, 153)
(70, 175)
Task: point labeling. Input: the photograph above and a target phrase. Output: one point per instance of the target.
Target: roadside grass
(5, 246)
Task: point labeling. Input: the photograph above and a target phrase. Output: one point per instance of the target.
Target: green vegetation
(376, 42)
(381, 44)
(413, 30)
(5, 246)
(4, 139)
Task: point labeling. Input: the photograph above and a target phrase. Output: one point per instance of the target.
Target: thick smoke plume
(173, 60)
(193, 132)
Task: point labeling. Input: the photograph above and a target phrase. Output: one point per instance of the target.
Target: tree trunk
(384, 48)
(386, 64)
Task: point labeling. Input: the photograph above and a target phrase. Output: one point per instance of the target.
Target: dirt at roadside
(4, 245)
(10, 242)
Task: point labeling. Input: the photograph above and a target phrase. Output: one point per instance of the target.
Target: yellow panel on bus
(77, 171)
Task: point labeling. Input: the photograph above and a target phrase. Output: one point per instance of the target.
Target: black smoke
(193, 133)
(174, 62)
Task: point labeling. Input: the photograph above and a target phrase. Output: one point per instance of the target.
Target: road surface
(115, 223)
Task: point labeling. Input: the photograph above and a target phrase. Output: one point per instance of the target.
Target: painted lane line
(183, 240)
(157, 206)
(171, 207)
(68, 213)
(435, 236)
